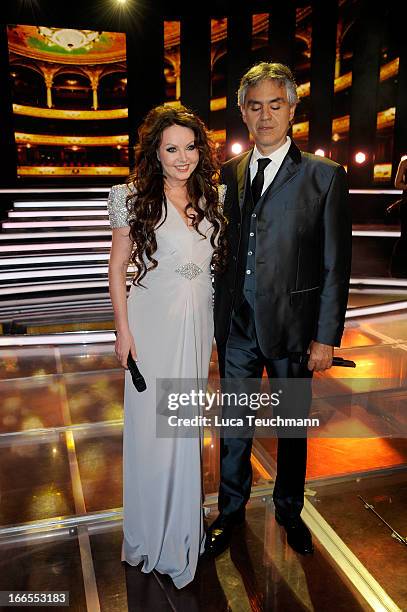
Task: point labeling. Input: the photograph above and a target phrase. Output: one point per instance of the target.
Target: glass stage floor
(61, 498)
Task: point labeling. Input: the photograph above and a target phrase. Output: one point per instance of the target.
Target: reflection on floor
(258, 573)
(60, 458)
(363, 532)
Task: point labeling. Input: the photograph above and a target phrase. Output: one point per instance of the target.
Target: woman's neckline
(190, 228)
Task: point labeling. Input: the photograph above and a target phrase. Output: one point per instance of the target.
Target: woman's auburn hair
(147, 198)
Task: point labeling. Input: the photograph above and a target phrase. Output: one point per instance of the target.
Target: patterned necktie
(258, 181)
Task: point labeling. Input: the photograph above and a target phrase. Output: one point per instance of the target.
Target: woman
(398, 264)
(167, 220)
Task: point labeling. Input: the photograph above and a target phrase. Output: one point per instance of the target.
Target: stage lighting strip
(62, 234)
(86, 300)
(375, 233)
(375, 291)
(43, 224)
(57, 286)
(34, 302)
(24, 261)
(18, 214)
(54, 246)
(363, 311)
(379, 282)
(50, 272)
(58, 339)
(62, 204)
(88, 570)
(17, 191)
(376, 191)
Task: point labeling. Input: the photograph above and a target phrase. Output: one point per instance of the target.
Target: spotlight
(320, 152)
(236, 148)
(335, 137)
(360, 157)
(121, 1)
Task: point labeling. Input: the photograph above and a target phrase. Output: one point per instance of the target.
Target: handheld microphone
(136, 376)
(336, 361)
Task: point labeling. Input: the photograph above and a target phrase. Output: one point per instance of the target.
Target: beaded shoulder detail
(222, 188)
(116, 206)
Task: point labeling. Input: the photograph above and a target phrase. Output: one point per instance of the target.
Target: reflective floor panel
(53, 565)
(61, 455)
(30, 403)
(259, 572)
(24, 362)
(35, 481)
(365, 534)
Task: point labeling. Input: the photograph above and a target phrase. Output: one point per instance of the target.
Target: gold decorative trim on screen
(59, 113)
(72, 171)
(68, 141)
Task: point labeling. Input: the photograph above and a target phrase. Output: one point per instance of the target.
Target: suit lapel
(288, 169)
(242, 173)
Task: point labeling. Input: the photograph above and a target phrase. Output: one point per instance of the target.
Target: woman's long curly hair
(145, 203)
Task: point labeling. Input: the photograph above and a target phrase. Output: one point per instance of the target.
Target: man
(285, 288)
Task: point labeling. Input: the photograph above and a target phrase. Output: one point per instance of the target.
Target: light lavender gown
(172, 324)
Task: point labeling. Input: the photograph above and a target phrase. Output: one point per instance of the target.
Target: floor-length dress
(172, 323)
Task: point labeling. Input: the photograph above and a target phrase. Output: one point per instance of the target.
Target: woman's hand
(123, 346)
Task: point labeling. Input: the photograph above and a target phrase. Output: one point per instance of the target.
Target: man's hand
(321, 355)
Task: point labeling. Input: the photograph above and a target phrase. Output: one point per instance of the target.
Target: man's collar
(277, 156)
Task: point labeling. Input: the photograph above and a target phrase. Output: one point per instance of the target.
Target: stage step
(54, 246)
(50, 260)
(54, 254)
(9, 226)
(58, 213)
(24, 235)
(42, 204)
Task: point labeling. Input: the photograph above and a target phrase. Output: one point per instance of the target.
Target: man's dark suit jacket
(303, 253)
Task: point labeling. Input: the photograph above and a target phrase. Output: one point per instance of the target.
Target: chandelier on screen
(70, 39)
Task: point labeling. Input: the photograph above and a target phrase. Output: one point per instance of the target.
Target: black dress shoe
(298, 535)
(220, 532)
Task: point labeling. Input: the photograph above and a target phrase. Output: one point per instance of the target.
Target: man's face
(267, 114)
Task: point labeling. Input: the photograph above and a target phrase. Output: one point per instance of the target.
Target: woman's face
(177, 152)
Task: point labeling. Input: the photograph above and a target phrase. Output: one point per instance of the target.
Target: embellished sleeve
(222, 194)
(116, 206)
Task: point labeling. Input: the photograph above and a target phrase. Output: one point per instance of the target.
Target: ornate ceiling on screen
(67, 46)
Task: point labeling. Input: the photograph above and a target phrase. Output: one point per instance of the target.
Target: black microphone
(336, 361)
(136, 375)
